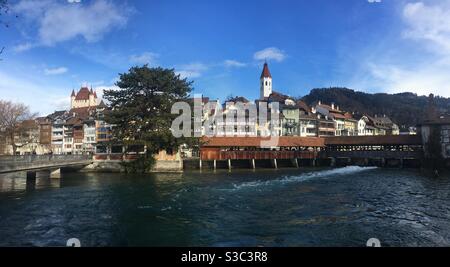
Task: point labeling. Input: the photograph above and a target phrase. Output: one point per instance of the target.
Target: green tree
(141, 109)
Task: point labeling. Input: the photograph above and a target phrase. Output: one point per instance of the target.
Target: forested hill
(405, 109)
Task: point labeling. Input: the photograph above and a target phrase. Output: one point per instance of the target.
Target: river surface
(306, 207)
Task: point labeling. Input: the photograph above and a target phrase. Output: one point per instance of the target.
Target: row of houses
(80, 130)
(295, 117)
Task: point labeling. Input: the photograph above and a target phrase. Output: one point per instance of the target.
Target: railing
(374, 154)
(115, 156)
(29, 162)
(42, 158)
(224, 155)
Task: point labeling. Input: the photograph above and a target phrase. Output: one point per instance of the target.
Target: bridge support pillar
(215, 164)
(401, 163)
(229, 164)
(31, 175)
(366, 162)
(275, 163)
(333, 162)
(383, 162)
(295, 162)
(200, 163)
(314, 163)
(253, 163)
(55, 174)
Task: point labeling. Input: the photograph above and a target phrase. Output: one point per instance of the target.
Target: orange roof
(374, 140)
(283, 141)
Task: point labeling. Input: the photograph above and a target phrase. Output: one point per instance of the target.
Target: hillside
(405, 109)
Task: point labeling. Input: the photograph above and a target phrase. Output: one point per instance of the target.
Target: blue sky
(55, 46)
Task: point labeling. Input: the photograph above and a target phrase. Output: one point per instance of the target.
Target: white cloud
(23, 47)
(144, 58)
(234, 63)
(193, 70)
(59, 22)
(429, 23)
(428, 26)
(101, 89)
(56, 71)
(29, 91)
(374, 1)
(422, 80)
(271, 53)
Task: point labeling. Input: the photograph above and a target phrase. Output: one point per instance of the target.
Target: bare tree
(4, 9)
(12, 118)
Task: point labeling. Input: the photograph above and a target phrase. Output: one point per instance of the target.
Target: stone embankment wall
(112, 163)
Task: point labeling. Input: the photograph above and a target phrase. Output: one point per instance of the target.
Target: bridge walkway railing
(10, 163)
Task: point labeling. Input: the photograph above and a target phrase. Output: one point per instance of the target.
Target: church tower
(265, 82)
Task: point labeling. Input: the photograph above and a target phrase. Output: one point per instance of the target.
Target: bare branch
(12, 117)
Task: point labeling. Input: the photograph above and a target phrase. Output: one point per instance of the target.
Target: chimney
(320, 102)
(337, 107)
(332, 105)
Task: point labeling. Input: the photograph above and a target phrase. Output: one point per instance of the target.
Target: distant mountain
(405, 109)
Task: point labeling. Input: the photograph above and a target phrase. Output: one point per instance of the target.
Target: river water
(306, 207)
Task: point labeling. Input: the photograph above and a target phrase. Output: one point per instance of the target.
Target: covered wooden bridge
(253, 149)
(360, 150)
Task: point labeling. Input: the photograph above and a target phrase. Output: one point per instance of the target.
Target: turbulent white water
(304, 177)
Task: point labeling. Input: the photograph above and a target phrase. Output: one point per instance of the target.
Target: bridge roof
(283, 141)
(374, 140)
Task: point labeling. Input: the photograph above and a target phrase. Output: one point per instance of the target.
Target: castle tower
(265, 82)
(83, 98)
(72, 99)
(92, 98)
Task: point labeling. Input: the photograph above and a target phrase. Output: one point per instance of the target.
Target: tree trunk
(13, 142)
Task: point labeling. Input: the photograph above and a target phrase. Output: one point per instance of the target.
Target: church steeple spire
(265, 82)
(266, 72)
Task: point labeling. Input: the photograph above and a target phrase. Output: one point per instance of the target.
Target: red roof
(348, 116)
(283, 141)
(83, 94)
(266, 73)
(82, 113)
(337, 115)
(302, 105)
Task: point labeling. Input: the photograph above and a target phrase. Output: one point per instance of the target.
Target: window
(266, 83)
